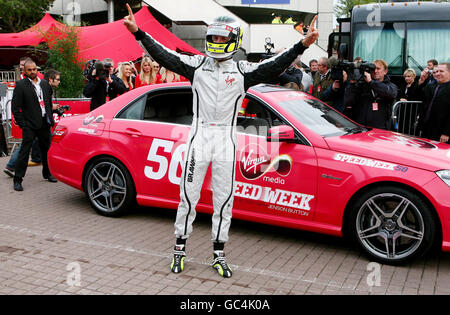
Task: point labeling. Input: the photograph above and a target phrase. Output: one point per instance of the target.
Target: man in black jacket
(435, 118)
(372, 99)
(32, 110)
(292, 74)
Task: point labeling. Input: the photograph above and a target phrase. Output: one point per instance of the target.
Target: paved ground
(52, 242)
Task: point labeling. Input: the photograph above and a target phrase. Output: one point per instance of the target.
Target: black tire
(392, 225)
(109, 187)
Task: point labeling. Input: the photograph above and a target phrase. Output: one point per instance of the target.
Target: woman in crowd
(156, 67)
(168, 76)
(125, 76)
(148, 74)
(409, 90)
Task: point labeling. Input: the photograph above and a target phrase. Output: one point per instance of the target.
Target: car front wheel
(392, 224)
(109, 187)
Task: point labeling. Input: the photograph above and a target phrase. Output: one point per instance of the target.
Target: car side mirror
(281, 133)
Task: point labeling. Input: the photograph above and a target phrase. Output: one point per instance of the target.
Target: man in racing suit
(219, 85)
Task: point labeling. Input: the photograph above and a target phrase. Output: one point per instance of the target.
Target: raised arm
(182, 64)
(266, 71)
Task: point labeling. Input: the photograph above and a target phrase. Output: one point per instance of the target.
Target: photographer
(101, 83)
(372, 98)
(335, 92)
(426, 76)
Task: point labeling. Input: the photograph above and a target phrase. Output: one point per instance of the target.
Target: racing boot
(179, 255)
(220, 264)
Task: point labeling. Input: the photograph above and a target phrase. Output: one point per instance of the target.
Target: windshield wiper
(354, 130)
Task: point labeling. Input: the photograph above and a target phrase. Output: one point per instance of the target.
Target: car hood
(395, 148)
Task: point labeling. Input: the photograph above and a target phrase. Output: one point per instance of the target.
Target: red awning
(30, 37)
(110, 40)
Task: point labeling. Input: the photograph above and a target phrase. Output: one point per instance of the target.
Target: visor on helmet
(223, 50)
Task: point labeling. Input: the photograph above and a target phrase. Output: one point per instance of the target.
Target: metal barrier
(8, 76)
(405, 115)
(5, 105)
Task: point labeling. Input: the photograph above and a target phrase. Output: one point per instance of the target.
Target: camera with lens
(268, 46)
(355, 70)
(101, 69)
(62, 109)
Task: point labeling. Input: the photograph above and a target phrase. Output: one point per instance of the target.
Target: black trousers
(43, 135)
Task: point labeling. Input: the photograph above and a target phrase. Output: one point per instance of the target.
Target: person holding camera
(426, 76)
(371, 99)
(101, 84)
(335, 92)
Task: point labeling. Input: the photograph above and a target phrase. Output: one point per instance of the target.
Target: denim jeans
(35, 155)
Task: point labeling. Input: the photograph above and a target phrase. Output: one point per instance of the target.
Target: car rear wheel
(109, 187)
(392, 225)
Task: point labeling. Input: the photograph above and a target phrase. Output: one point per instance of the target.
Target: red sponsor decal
(254, 163)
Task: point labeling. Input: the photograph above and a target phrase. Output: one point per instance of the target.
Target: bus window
(380, 42)
(427, 40)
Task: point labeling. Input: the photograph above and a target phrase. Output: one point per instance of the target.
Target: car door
(272, 178)
(151, 132)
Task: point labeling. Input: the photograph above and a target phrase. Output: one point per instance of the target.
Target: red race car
(299, 164)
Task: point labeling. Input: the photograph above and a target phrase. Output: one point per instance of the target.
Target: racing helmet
(223, 26)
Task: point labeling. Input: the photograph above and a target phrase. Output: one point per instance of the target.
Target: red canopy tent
(110, 40)
(30, 37)
(114, 41)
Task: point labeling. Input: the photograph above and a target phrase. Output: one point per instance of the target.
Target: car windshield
(320, 118)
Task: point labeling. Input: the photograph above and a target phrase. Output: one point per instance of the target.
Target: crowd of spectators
(125, 77)
(368, 101)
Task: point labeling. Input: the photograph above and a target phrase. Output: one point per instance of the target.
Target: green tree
(18, 15)
(62, 46)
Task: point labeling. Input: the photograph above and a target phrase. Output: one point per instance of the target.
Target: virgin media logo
(229, 81)
(254, 163)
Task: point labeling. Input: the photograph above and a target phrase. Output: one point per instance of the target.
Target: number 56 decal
(164, 164)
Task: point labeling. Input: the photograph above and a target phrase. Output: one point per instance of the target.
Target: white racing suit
(218, 90)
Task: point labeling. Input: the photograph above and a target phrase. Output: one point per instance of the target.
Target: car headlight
(444, 175)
